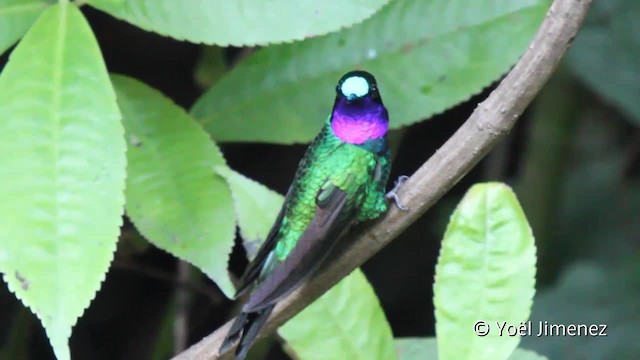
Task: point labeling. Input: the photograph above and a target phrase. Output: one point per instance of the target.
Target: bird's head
(358, 113)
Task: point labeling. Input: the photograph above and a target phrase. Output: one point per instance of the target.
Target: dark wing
(334, 212)
(255, 266)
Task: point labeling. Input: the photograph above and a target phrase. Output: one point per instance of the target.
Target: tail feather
(247, 326)
(234, 333)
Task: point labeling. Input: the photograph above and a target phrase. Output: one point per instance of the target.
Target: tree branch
(490, 122)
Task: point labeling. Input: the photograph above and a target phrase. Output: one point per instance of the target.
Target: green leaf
(611, 28)
(485, 272)
(256, 208)
(16, 16)
(591, 294)
(347, 322)
(523, 354)
(426, 348)
(598, 191)
(426, 55)
(174, 197)
(240, 22)
(416, 348)
(63, 171)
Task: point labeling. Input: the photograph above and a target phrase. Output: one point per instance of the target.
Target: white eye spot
(356, 85)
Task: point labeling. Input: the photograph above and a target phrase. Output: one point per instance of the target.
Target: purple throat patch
(358, 128)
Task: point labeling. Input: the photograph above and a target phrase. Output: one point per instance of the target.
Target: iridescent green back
(354, 169)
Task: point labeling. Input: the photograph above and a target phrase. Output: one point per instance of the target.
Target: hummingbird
(341, 180)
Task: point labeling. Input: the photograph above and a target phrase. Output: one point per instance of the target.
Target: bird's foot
(393, 194)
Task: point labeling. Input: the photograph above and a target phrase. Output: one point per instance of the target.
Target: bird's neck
(356, 126)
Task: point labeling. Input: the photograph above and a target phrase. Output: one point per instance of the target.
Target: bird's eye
(354, 87)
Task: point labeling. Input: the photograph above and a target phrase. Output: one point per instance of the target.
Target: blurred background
(573, 160)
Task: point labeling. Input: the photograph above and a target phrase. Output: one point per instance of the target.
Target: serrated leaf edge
(146, 27)
(32, 309)
(213, 172)
(205, 120)
(529, 230)
(218, 169)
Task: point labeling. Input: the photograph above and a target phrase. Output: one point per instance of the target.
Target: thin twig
(208, 292)
(490, 122)
(183, 301)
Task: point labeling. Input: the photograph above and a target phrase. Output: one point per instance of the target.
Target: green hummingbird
(340, 180)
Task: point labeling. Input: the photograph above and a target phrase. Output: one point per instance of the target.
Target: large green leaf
(427, 56)
(590, 294)
(606, 54)
(416, 348)
(427, 349)
(62, 169)
(523, 354)
(174, 197)
(485, 272)
(240, 22)
(256, 208)
(16, 16)
(345, 323)
(598, 191)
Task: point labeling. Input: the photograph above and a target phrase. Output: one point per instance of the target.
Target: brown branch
(490, 122)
